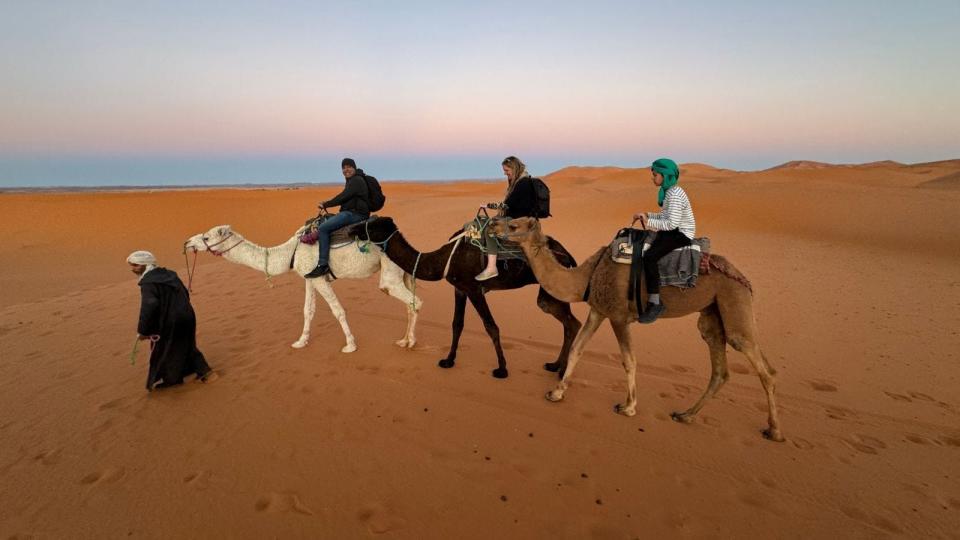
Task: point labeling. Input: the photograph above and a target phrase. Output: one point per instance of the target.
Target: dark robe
(165, 311)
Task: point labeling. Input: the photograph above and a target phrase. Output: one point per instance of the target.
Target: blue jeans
(324, 229)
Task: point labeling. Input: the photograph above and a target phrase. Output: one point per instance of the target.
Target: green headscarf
(671, 174)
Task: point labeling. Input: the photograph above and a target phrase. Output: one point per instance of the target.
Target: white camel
(346, 261)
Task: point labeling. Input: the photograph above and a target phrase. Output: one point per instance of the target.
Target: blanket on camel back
(338, 238)
(679, 268)
(476, 231)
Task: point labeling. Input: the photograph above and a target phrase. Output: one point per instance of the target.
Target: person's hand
(142, 337)
(493, 205)
(642, 218)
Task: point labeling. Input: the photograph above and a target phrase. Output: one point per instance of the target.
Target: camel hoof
(299, 344)
(554, 396)
(446, 363)
(402, 343)
(683, 418)
(348, 348)
(773, 435)
(500, 373)
(552, 367)
(624, 410)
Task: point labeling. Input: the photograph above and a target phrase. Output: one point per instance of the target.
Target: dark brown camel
(458, 263)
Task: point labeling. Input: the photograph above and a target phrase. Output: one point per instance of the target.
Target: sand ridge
(856, 297)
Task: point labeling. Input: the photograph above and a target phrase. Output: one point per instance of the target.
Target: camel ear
(223, 230)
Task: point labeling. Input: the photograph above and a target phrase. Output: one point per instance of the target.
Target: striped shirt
(676, 214)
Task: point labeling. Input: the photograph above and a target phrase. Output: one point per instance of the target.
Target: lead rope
(154, 338)
(190, 271)
(413, 299)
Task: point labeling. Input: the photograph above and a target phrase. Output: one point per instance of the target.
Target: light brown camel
(723, 298)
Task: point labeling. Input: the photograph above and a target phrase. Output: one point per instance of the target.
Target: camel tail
(727, 268)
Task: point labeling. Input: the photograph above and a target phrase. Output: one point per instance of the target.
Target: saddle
(679, 268)
(477, 230)
(341, 236)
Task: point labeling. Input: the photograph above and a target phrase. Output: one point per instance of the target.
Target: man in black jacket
(168, 321)
(354, 208)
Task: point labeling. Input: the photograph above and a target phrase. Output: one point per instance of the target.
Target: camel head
(524, 230)
(377, 230)
(215, 240)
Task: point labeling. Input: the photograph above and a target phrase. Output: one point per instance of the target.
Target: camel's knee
(385, 290)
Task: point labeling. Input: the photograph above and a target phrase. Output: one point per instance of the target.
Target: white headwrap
(142, 257)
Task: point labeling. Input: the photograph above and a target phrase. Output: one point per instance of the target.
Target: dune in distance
(857, 299)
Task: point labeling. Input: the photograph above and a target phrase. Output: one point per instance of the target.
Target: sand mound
(948, 182)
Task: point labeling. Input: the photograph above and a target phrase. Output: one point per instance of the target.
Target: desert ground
(857, 297)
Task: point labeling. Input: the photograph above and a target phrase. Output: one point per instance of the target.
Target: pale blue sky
(196, 92)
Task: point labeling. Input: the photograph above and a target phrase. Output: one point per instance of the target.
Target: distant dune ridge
(315, 443)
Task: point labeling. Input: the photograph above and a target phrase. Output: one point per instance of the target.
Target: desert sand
(855, 273)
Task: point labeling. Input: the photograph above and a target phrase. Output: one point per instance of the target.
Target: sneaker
(652, 312)
(320, 270)
(487, 274)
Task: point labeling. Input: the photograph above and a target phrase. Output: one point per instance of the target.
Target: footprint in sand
(197, 480)
(920, 396)
(865, 444)
(112, 404)
(918, 439)
(840, 413)
(898, 397)
(276, 503)
(821, 385)
(801, 444)
(106, 476)
(681, 369)
(950, 441)
(378, 519)
(875, 520)
(49, 457)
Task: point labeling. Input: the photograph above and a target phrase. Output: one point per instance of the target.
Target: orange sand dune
(857, 295)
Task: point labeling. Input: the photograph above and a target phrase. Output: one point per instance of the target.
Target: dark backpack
(375, 196)
(541, 207)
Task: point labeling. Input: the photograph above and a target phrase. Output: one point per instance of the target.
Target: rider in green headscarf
(671, 174)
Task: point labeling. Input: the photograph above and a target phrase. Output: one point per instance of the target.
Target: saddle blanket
(679, 268)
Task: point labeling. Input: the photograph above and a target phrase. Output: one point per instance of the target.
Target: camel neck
(566, 284)
(431, 264)
(269, 260)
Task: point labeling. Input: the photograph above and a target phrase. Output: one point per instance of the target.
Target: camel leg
(326, 291)
(393, 282)
(479, 302)
(711, 330)
(309, 309)
(459, 310)
(622, 331)
(561, 312)
(579, 342)
(751, 350)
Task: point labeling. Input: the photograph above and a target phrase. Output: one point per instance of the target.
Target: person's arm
(149, 323)
(352, 189)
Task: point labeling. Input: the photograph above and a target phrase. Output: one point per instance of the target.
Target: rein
(154, 338)
(225, 238)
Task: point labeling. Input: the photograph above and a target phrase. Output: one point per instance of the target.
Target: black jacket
(354, 196)
(522, 200)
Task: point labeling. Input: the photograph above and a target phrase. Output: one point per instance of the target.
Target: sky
(169, 92)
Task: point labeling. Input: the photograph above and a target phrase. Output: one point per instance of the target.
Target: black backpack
(541, 208)
(375, 196)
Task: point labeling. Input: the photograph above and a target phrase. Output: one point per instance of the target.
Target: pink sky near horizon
(594, 82)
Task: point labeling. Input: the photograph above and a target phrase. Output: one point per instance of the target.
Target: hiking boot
(320, 270)
(651, 313)
(487, 274)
